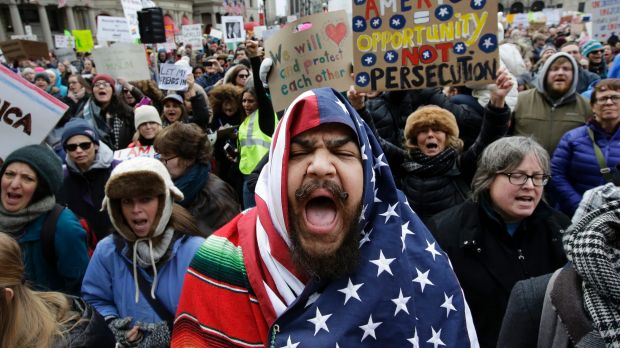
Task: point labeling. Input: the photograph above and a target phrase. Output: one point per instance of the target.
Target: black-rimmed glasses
(165, 160)
(521, 178)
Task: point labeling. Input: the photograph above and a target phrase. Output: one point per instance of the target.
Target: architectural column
(70, 18)
(92, 21)
(213, 19)
(16, 19)
(45, 25)
(3, 36)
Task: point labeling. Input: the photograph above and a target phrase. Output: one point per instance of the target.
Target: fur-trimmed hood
(433, 117)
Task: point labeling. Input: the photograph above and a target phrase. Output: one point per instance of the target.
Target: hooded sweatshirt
(546, 118)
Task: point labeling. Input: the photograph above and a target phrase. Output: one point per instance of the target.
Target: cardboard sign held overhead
(83, 40)
(319, 56)
(407, 45)
(233, 29)
(122, 60)
(192, 34)
(605, 19)
(24, 49)
(27, 113)
(173, 77)
(113, 29)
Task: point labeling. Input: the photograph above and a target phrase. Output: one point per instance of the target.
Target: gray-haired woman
(505, 233)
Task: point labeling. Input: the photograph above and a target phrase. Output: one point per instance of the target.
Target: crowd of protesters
(496, 172)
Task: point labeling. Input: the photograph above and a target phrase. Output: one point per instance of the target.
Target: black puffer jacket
(90, 331)
(488, 261)
(429, 195)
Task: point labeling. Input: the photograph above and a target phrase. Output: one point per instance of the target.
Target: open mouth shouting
(322, 203)
(140, 226)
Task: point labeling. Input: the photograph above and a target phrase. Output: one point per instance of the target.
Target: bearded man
(331, 256)
(553, 107)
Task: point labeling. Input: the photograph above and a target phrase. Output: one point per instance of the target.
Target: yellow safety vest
(253, 143)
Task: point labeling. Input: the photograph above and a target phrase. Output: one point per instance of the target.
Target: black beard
(342, 261)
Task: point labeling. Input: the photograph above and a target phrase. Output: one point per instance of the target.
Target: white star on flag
(312, 299)
(415, 340)
(361, 79)
(390, 211)
(366, 238)
(363, 150)
(422, 278)
(431, 249)
(363, 213)
(436, 338)
(290, 344)
(342, 106)
(351, 291)
(487, 43)
(404, 232)
(369, 329)
(359, 23)
(395, 21)
(380, 162)
(368, 60)
(320, 321)
(377, 200)
(383, 264)
(401, 303)
(447, 304)
(443, 12)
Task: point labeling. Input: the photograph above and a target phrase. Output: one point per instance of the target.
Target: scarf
(192, 182)
(145, 255)
(92, 114)
(593, 246)
(429, 166)
(77, 96)
(13, 223)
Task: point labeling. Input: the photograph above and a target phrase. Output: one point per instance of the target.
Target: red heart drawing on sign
(336, 32)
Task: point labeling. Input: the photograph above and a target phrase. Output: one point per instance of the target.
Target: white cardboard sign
(130, 10)
(27, 113)
(113, 29)
(133, 152)
(192, 34)
(122, 60)
(173, 77)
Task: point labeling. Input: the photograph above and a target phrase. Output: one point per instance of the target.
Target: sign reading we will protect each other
(27, 113)
(317, 56)
(412, 44)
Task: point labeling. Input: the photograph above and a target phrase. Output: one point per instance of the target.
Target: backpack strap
(48, 234)
(605, 170)
(145, 289)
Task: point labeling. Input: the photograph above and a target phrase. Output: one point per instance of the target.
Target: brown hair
(82, 82)
(183, 221)
(30, 318)
(223, 93)
(186, 140)
(602, 86)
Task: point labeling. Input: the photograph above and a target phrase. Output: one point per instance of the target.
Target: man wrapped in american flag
(332, 255)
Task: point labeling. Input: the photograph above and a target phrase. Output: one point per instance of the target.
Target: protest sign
(192, 34)
(233, 29)
(317, 57)
(65, 54)
(173, 77)
(520, 20)
(122, 60)
(133, 152)
(216, 33)
(130, 10)
(61, 41)
(24, 49)
(28, 37)
(113, 29)
(258, 31)
(552, 16)
(605, 15)
(27, 113)
(408, 45)
(83, 40)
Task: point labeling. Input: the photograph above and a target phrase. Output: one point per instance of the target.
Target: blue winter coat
(109, 284)
(71, 254)
(574, 166)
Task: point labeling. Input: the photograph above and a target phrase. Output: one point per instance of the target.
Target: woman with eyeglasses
(505, 233)
(54, 248)
(588, 156)
(89, 163)
(108, 114)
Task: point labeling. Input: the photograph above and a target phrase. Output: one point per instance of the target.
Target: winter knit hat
(105, 77)
(590, 46)
(44, 162)
(548, 47)
(433, 117)
(44, 76)
(79, 126)
(146, 113)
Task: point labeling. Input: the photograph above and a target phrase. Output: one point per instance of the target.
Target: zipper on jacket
(274, 332)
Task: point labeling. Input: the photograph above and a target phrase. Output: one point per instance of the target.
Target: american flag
(404, 292)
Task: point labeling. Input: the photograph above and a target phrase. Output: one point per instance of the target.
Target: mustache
(306, 189)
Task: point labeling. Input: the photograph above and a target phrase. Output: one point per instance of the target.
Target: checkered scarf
(593, 245)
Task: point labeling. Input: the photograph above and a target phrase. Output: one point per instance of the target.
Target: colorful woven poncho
(242, 289)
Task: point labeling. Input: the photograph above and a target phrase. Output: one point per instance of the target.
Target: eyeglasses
(521, 178)
(243, 76)
(596, 52)
(102, 84)
(84, 146)
(614, 99)
(165, 160)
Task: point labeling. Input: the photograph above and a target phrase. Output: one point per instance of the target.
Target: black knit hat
(44, 162)
(44, 76)
(79, 126)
